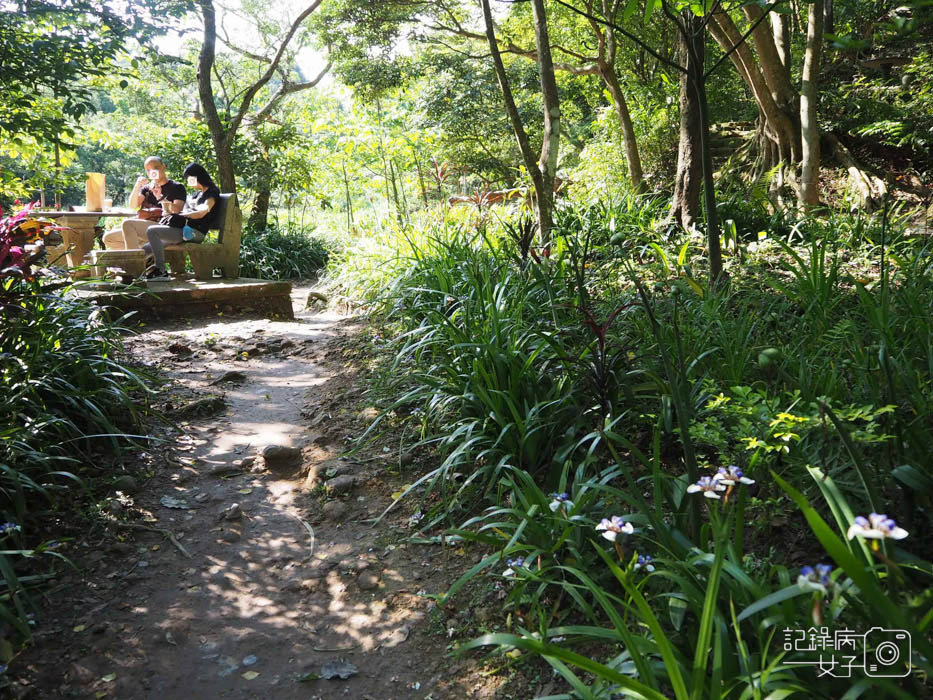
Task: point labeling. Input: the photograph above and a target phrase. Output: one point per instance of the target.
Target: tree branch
(623, 32)
(273, 65)
(512, 48)
(744, 36)
(287, 89)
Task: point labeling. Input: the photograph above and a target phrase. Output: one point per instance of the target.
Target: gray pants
(158, 237)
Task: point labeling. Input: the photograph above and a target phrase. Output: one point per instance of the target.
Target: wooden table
(78, 238)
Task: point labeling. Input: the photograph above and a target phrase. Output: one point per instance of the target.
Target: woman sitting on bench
(191, 225)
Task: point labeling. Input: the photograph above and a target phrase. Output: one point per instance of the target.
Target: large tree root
(869, 190)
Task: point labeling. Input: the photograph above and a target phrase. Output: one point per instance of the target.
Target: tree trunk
(829, 22)
(424, 192)
(518, 128)
(225, 169)
(551, 140)
(223, 134)
(869, 190)
(223, 142)
(771, 61)
(259, 216)
(632, 159)
(809, 95)
(346, 185)
(778, 126)
(685, 205)
(401, 187)
(709, 193)
(780, 28)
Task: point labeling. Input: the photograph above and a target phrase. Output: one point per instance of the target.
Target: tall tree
(544, 170)
(224, 130)
(685, 203)
(809, 94)
(596, 55)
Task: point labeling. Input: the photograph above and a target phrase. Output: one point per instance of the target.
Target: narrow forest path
(274, 582)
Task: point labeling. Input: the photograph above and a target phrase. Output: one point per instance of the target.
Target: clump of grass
(605, 373)
(281, 254)
(66, 400)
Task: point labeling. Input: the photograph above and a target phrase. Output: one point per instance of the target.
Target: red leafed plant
(22, 241)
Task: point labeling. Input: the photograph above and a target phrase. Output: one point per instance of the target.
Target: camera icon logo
(887, 653)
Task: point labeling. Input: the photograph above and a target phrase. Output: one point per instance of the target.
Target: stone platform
(189, 298)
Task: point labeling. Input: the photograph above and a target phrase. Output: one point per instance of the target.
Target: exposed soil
(271, 575)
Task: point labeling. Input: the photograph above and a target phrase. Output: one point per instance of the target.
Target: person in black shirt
(147, 196)
(189, 225)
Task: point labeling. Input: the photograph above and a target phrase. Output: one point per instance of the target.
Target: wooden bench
(208, 256)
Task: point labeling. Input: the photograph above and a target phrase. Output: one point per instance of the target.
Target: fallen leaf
(250, 675)
(172, 502)
(78, 628)
(398, 494)
(245, 491)
(109, 678)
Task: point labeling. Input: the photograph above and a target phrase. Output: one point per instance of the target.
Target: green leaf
(566, 656)
(666, 649)
(913, 478)
(780, 596)
(839, 506)
(707, 618)
(881, 606)
(650, 7)
(677, 609)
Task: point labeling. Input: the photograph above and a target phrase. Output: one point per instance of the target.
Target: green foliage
(281, 254)
(66, 400)
(598, 370)
(50, 46)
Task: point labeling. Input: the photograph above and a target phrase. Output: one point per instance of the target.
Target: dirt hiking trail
(211, 572)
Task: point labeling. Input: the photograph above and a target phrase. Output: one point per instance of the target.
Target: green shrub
(66, 400)
(281, 254)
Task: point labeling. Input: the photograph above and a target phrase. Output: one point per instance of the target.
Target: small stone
(82, 674)
(231, 512)
(232, 377)
(335, 510)
(126, 484)
(231, 536)
(340, 484)
(247, 462)
(282, 459)
(368, 581)
(299, 585)
(202, 497)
